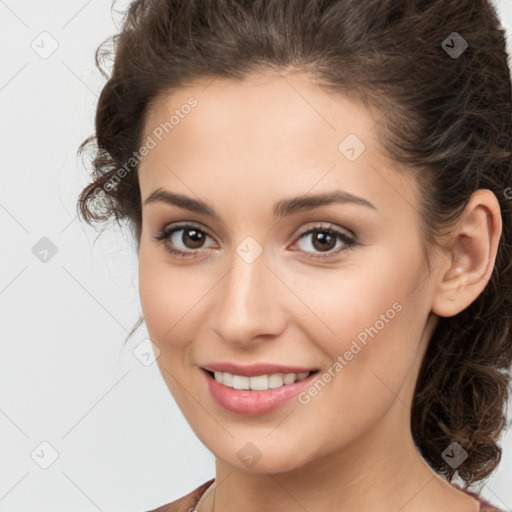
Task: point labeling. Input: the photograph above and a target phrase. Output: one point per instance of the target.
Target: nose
(249, 303)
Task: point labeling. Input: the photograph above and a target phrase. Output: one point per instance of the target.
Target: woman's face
(351, 299)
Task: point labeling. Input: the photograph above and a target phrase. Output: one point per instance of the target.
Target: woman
(319, 193)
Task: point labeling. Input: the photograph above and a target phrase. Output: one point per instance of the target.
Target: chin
(262, 457)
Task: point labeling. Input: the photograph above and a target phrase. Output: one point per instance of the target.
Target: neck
(381, 471)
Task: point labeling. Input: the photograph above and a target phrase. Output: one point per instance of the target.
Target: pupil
(195, 236)
(326, 241)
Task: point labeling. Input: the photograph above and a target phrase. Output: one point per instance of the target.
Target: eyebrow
(283, 208)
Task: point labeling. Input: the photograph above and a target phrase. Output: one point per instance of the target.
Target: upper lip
(255, 369)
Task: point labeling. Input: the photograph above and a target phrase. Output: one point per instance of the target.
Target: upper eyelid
(327, 227)
(171, 229)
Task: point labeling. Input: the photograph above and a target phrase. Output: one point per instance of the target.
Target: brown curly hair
(447, 117)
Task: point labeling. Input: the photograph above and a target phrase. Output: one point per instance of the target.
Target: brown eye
(184, 240)
(192, 238)
(325, 240)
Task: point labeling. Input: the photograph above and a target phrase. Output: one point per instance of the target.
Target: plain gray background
(84, 425)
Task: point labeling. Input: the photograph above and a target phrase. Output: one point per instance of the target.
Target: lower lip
(254, 403)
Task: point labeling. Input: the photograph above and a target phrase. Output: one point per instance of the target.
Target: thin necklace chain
(208, 491)
(203, 497)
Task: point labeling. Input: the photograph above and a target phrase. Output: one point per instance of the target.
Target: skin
(350, 447)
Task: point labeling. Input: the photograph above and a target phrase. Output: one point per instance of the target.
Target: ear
(471, 253)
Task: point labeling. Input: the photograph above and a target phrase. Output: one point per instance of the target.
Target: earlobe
(472, 248)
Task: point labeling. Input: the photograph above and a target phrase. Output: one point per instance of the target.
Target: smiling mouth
(258, 382)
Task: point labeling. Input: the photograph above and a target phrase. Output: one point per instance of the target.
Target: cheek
(169, 297)
(372, 316)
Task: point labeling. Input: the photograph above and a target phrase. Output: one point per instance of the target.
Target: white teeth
(259, 382)
(240, 382)
(289, 378)
(275, 381)
(227, 379)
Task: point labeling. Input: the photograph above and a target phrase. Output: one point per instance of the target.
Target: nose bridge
(247, 304)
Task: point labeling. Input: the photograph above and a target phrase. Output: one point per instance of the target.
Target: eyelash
(166, 233)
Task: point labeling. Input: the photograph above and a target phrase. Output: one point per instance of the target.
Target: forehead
(260, 107)
(266, 131)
